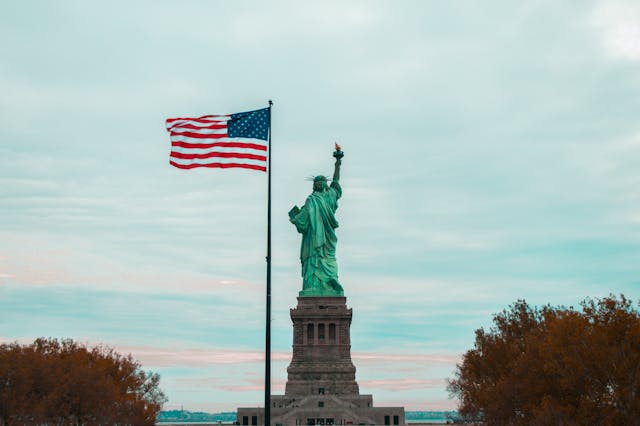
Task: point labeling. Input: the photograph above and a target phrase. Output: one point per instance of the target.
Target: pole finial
(270, 102)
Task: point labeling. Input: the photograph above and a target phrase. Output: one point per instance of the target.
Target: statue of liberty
(316, 222)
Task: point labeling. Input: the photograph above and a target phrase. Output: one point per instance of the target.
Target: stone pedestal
(321, 387)
(321, 360)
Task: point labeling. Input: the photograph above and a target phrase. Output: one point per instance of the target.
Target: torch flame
(338, 148)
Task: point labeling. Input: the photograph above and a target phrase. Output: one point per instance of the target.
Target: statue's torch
(338, 154)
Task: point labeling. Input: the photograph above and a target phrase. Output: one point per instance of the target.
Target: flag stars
(251, 124)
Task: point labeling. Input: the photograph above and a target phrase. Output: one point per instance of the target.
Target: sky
(492, 153)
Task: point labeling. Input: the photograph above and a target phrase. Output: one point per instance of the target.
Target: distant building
(321, 386)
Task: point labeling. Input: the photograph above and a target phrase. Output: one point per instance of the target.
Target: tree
(65, 383)
(554, 366)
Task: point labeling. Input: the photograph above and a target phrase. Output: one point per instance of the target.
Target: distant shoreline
(184, 417)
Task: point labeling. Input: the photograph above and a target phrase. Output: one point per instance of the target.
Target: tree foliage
(65, 383)
(554, 366)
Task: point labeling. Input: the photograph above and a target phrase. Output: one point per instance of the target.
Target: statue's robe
(316, 222)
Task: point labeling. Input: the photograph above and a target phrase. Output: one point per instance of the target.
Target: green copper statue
(316, 222)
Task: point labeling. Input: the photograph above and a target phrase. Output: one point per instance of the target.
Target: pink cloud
(202, 357)
(277, 386)
(192, 357)
(158, 357)
(151, 356)
(437, 358)
(40, 262)
(34, 265)
(403, 384)
(238, 385)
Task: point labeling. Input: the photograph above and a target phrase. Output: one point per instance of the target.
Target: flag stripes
(193, 135)
(205, 141)
(218, 155)
(220, 165)
(221, 144)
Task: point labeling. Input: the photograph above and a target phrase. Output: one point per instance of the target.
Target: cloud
(28, 259)
(382, 358)
(277, 386)
(403, 384)
(191, 357)
(158, 357)
(155, 357)
(618, 22)
(236, 384)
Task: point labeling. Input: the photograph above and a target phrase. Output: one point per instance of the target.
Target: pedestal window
(310, 333)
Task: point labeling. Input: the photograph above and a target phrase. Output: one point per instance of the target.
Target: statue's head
(320, 183)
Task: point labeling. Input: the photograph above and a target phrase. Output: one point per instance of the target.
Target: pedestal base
(321, 359)
(321, 387)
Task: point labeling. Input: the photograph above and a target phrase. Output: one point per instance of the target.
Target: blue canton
(250, 124)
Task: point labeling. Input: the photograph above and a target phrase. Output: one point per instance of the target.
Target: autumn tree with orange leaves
(554, 366)
(65, 383)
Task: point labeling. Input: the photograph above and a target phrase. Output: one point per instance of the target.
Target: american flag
(222, 141)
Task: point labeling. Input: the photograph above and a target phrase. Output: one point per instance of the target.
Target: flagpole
(267, 368)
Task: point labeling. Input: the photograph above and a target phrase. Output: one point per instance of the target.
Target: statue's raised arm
(316, 222)
(338, 154)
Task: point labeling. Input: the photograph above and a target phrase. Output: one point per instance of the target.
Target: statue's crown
(319, 178)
